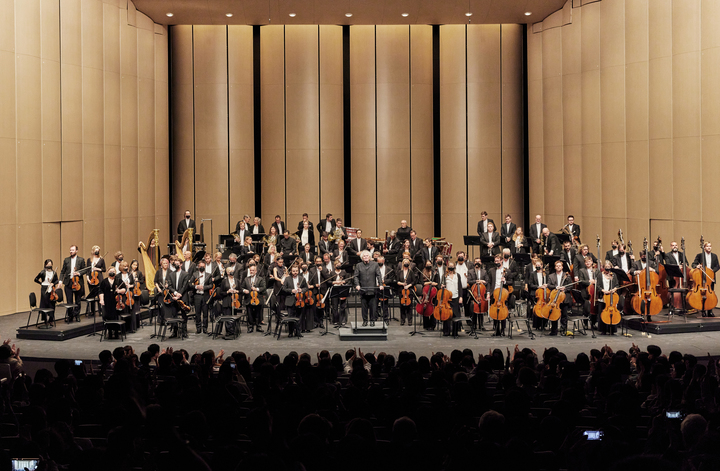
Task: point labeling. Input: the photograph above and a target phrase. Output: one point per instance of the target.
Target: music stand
(550, 260)
(472, 241)
(562, 237)
(415, 322)
(622, 276)
(335, 291)
(522, 259)
(270, 299)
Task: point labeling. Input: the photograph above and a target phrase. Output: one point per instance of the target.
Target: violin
(254, 298)
(183, 306)
(136, 289)
(119, 304)
(236, 301)
(611, 315)
(94, 279)
(646, 301)
(53, 295)
(443, 310)
(702, 296)
(425, 307)
(299, 300)
(167, 299)
(405, 299)
(129, 301)
(76, 283)
(662, 287)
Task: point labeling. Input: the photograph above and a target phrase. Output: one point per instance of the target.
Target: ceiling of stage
(333, 12)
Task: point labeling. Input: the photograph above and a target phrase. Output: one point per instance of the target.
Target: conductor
(367, 278)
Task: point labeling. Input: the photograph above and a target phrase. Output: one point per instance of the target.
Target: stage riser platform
(363, 333)
(66, 331)
(678, 325)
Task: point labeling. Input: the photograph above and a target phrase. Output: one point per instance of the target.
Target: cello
(702, 297)
(611, 315)
(646, 301)
(425, 306)
(553, 309)
(662, 288)
(478, 292)
(499, 310)
(443, 311)
(541, 297)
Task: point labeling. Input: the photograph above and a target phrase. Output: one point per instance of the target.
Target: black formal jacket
(580, 260)
(179, 287)
(259, 284)
(533, 283)
(534, 234)
(224, 288)
(401, 278)
(321, 226)
(523, 248)
(553, 244)
(553, 282)
(261, 229)
(182, 227)
(100, 264)
(415, 246)
(482, 226)
(40, 279)
(159, 281)
(352, 245)
(700, 259)
(575, 231)
(279, 234)
(610, 256)
(486, 238)
(389, 274)
(584, 280)
(109, 290)
(504, 233)
(429, 256)
(564, 256)
(307, 257)
(637, 267)
(367, 275)
(206, 285)
(325, 246)
(311, 226)
(311, 237)
(618, 259)
(670, 258)
(346, 258)
(288, 286)
(287, 246)
(65, 271)
(492, 275)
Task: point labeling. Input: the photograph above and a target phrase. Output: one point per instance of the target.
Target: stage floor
(697, 342)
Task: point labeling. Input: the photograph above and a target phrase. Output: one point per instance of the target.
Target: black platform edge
(677, 325)
(66, 331)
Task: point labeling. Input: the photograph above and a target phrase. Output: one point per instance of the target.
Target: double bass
(702, 297)
(646, 301)
(592, 287)
(662, 287)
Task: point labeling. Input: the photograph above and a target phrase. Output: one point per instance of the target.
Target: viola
(183, 306)
(443, 310)
(299, 300)
(53, 295)
(405, 299)
(309, 298)
(479, 291)
(167, 299)
(236, 301)
(136, 289)
(320, 303)
(254, 298)
(129, 301)
(94, 279)
(75, 283)
(611, 315)
(119, 304)
(702, 296)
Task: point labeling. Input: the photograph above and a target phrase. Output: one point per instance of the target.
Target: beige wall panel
(128, 49)
(301, 54)
(51, 181)
(513, 118)
(7, 26)
(483, 47)
(660, 28)
(28, 97)
(636, 101)
(71, 77)
(94, 233)
(71, 233)
(636, 31)
(685, 26)
(112, 182)
(129, 181)
(609, 232)
(272, 170)
(536, 188)
(591, 230)
(637, 230)
(571, 109)
(183, 172)
(113, 236)
(210, 49)
(393, 116)
(590, 37)
(572, 175)
(92, 34)
(70, 32)
(240, 93)
(661, 94)
(162, 192)
(612, 104)
(422, 200)
(453, 51)
(303, 185)
(392, 53)
(92, 105)
(332, 190)
(552, 115)
(571, 45)
(421, 53)
(8, 212)
(29, 238)
(552, 53)
(146, 114)
(554, 183)
(302, 116)
(591, 107)
(661, 196)
(27, 21)
(273, 116)
(362, 115)
(664, 229)
(8, 278)
(144, 226)
(421, 111)
(211, 197)
(612, 33)
(638, 182)
(111, 38)
(513, 171)
(240, 54)
(709, 16)
(535, 113)
(710, 170)
(29, 173)
(363, 198)
(211, 126)
(331, 116)
(534, 55)
(393, 184)
(129, 106)
(112, 126)
(362, 54)
(453, 196)
(686, 102)
(146, 182)
(162, 134)
(421, 204)
(484, 114)
(592, 165)
(129, 238)
(72, 182)
(145, 54)
(691, 230)
(687, 160)
(93, 189)
(485, 164)
(51, 244)
(49, 30)
(272, 40)
(453, 116)
(709, 92)
(7, 94)
(614, 182)
(242, 197)
(50, 103)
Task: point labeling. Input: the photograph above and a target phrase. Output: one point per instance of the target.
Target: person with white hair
(367, 278)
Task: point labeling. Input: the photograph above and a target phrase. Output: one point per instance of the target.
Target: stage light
(229, 15)
(348, 15)
(169, 14)
(292, 15)
(468, 14)
(406, 15)
(528, 13)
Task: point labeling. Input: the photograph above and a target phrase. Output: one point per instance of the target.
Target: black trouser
(254, 315)
(586, 311)
(385, 309)
(406, 313)
(319, 315)
(339, 310)
(74, 297)
(299, 313)
(307, 320)
(369, 307)
(429, 322)
(602, 326)
(564, 308)
(201, 313)
(450, 327)
(498, 326)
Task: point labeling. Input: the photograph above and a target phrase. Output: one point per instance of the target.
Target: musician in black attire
(357, 245)
(366, 278)
(429, 252)
(490, 241)
(552, 243)
(185, 224)
(572, 228)
(319, 274)
(535, 232)
(499, 277)
(339, 305)
(558, 280)
(583, 255)
(568, 254)
(707, 259)
(228, 287)
(387, 278)
(110, 287)
(326, 225)
(47, 279)
(586, 276)
(426, 278)
(482, 225)
(536, 279)
(639, 265)
(287, 244)
(254, 283)
(507, 231)
(607, 284)
(403, 232)
(476, 276)
(415, 243)
(294, 284)
(325, 246)
(307, 316)
(405, 279)
(72, 265)
(178, 282)
(162, 278)
(202, 284)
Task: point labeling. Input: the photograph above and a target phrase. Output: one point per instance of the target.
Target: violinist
(48, 280)
(338, 305)
(490, 242)
(228, 287)
(137, 274)
(202, 284)
(294, 284)
(162, 279)
(461, 268)
(254, 283)
(536, 279)
(551, 243)
(707, 259)
(387, 280)
(119, 257)
(406, 257)
(109, 288)
(586, 276)
(406, 280)
(453, 284)
(498, 277)
(476, 276)
(583, 255)
(307, 316)
(507, 231)
(519, 243)
(70, 268)
(129, 283)
(426, 278)
(277, 278)
(97, 264)
(321, 274)
(557, 280)
(234, 265)
(608, 284)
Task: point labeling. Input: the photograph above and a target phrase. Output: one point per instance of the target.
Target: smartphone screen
(20, 464)
(672, 414)
(78, 362)
(593, 434)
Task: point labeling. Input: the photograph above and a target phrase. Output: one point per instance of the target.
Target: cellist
(454, 285)
(674, 257)
(707, 259)
(587, 276)
(498, 278)
(536, 279)
(476, 276)
(426, 278)
(639, 265)
(608, 282)
(556, 280)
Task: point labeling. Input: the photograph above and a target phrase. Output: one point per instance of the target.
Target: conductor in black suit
(185, 224)
(71, 265)
(483, 223)
(366, 278)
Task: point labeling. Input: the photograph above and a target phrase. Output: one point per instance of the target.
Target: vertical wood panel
(29, 172)
(332, 189)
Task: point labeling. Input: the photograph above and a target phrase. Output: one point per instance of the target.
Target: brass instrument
(336, 235)
(187, 240)
(269, 240)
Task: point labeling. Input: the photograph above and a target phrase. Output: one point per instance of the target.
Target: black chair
(178, 323)
(290, 322)
(60, 304)
(48, 314)
(113, 324)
